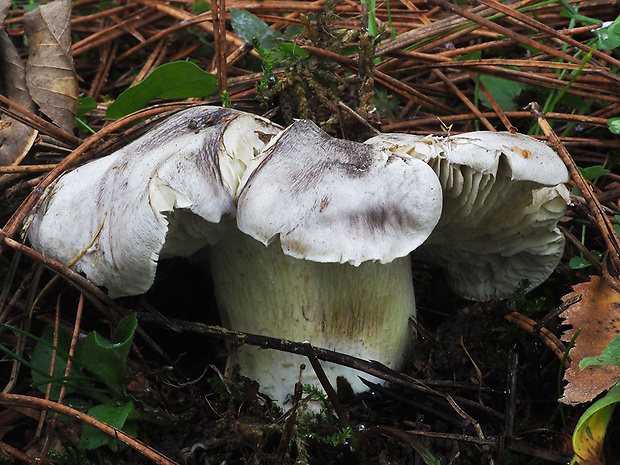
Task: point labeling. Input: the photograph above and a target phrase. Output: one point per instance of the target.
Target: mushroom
(168, 193)
(503, 197)
(319, 250)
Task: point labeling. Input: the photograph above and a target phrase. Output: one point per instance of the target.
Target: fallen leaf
(49, 70)
(179, 79)
(591, 429)
(598, 316)
(16, 137)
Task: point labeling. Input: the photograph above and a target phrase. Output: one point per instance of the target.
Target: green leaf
(503, 91)
(106, 359)
(293, 30)
(571, 12)
(608, 38)
(86, 104)
(593, 172)
(176, 80)
(578, 263)
(114, 414)
(41, 360)
(610, 356)
(106, 5)
(591, 428)
(290, 50)
(614, 125)
(248, 26)
(200, 6)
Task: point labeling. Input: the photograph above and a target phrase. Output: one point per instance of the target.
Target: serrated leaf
(598, 316)
(113, 414)
(176, 80)
(248, 26)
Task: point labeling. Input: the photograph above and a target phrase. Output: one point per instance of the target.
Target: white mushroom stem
(362, 311)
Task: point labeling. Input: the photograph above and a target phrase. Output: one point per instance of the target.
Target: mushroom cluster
(310, 237)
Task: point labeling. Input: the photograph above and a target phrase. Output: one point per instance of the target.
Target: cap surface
(330, 200)
(161, 195)
(503, 197)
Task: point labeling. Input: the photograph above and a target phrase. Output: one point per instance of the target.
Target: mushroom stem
(362, 310)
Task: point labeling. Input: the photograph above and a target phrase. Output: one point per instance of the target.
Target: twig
(219, 38)
(26, 169)
(13, 400)
(38, 123)
(511, 398)
(95, 295)
(552, 32)
(464, 99)
(548, 338)
(503, 30)
(327, 386)
(372, 368)
(595, 207)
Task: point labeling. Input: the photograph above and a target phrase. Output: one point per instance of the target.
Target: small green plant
(315, 394)
(343, 436)
(311, 424)
(85, 105)
(71, 457)
(226, 103)
(96, 381)
(524, 303)
(302, 85)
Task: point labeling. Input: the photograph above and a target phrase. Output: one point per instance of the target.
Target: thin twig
(327, 386)
(16, 400)
(595, 207)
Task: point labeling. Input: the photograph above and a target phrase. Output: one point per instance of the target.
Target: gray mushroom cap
(162, 195)
(503, 197)
(330, 200)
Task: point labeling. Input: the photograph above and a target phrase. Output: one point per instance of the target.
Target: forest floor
(483, 381)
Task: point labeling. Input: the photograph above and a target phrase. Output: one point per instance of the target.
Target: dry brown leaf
(49, 70)
(15, 138)
(598, 316)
